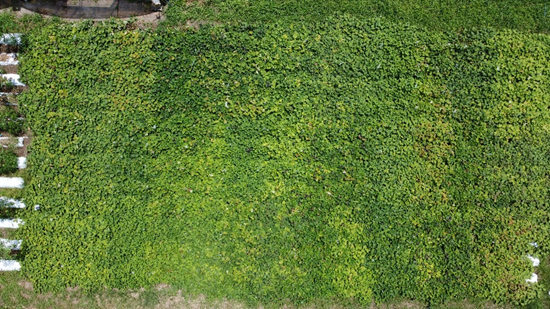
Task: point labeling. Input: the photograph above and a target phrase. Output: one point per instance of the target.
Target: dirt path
(152, 18)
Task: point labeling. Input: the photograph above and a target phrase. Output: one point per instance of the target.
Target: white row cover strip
(9, 265)
(11, 244)
(13, 78)
(534, 260)
(22, 162)
(8, 59)
(11, 182)
(10, 39)
(6, 94)
(11, 203)
(20, 140)
(10, 223)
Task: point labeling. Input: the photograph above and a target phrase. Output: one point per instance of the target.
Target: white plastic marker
(21, 162)
(11, 182)
(534, 278)
(10, 244)
(13, 78)
(534, 260)
(9, 265)
(10, 223)
(11, 39)
(7, 94)
(10, 203)
(20, 140)
(8, 59)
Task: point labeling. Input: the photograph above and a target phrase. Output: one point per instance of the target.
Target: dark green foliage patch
(10, 120)
(8, 161)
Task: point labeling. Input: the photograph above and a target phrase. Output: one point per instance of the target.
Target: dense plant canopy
(348, 159)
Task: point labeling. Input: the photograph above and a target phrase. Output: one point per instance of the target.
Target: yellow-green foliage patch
(346, 159)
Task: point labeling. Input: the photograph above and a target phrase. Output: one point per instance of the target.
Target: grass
(12, 193)
(8, 100)
(10, 23)
(440, 15)
(16, 292)
(544, 279)
(7, 213)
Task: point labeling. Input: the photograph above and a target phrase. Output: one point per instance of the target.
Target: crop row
(346, 159)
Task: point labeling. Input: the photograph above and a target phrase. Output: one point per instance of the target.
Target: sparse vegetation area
(10, 120)
(8, 161)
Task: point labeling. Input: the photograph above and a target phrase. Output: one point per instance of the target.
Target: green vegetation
(10, 24)
(7, 22)
(10, 121)
(8, 161)
(342, 159)
(5, 85)
(5, 254)
(526, 15)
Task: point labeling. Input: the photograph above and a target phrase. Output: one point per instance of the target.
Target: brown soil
(9, 68)
(4, 233)
(22, 151)
(196, 24)
(9, 48)
(9, 100)
(27, 285)
(15, 89)
(19, 151)
(195, 2)
(4, 57)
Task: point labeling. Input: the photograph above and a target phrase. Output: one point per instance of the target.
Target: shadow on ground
(77, 9)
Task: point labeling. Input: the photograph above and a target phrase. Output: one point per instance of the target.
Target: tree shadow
(83, 8)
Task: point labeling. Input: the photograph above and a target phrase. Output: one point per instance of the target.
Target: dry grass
(195, 2)
(197, 24)
(19, 293)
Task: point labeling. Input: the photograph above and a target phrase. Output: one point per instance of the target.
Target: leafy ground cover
(8, 161)
(342, 159)
(10, 120)
(530, 15)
